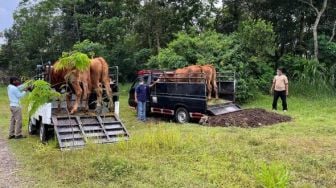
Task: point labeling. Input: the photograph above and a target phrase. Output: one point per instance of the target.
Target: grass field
(301, 153)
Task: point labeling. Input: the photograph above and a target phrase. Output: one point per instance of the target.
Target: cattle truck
(185, 99)
(75, 131)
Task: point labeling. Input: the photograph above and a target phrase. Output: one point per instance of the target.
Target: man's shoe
(20, 136)
(11, 137)
(285, 110)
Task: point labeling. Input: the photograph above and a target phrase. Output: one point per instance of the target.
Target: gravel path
(8, 167)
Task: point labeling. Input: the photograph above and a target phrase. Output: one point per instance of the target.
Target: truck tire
(32, 129)
(43, 133)
(182, 115)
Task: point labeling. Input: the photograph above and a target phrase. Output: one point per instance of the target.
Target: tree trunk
(319, 13)
(316, 23)
(157, 36)
(76, 23)
(333, 32)
(302, 27)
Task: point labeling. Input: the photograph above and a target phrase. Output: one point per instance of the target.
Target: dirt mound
(247, 118)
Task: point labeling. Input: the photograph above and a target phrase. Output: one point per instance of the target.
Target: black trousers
(282, 95)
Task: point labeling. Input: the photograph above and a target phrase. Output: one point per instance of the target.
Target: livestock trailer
(74, 131)
(186, 98)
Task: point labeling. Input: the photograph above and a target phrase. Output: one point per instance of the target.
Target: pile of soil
(247, 118)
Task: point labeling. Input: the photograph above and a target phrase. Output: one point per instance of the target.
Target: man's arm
(158, 80)
(136, 95)
(21, 87)
(273, 85)
(286, 84)
(19, 94)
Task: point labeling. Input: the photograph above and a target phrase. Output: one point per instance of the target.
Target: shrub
(273, 176)
(246, 52)
(91, 48)
(310, 77)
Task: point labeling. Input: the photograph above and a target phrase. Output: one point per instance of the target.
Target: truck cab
(149, 77)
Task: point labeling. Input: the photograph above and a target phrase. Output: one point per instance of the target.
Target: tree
(318, 13)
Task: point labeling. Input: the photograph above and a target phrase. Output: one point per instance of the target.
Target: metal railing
(180, 78)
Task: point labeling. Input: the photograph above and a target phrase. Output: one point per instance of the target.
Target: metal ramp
(223, 109)
(77, 130)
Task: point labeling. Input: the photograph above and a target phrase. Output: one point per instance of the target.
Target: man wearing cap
(15, 93)
(140, 98)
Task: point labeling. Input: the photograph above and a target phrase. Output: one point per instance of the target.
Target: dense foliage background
(251, 37)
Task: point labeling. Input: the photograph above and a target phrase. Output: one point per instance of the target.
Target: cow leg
(109, 94)
(59, 106)
(215, 88)
(85, 97)
(68, 101)
(99, 92)
(209, 88)
(78, 91)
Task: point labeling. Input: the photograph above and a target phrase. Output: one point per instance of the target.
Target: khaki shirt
(280, 82)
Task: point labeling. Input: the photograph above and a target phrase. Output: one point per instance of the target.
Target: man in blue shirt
(141, 98)
(15, 93)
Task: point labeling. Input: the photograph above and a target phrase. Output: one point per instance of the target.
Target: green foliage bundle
(273, 176)
(73, 60)
(41, 94)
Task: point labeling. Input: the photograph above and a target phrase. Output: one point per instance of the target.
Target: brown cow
(84, 82)
(194, 73)
(57, 80)
(191, 73)
(81, 84)
(79, 81)
(211, 79)
(99, 70)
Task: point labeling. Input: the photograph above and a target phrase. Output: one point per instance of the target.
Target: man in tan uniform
(280, 89)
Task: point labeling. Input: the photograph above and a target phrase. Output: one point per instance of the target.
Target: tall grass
(315, 81)
(165, 154)
(273, 176)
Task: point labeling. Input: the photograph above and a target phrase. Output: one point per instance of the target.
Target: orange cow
(79, 81)
(211, 79)
(99, 71)
(194, 73)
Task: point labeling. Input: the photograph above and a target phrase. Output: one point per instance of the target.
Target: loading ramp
(75, 131)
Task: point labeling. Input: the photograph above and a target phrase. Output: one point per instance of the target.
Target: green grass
(300, 153)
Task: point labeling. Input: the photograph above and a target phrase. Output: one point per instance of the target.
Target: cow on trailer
(99, 70)
(185, 99)
(195, 73)
(82, 83)
(78, 81)
(75, 130)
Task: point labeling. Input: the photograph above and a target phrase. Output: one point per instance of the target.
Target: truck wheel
(182, 115)
(32, 129)
(43, 133)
